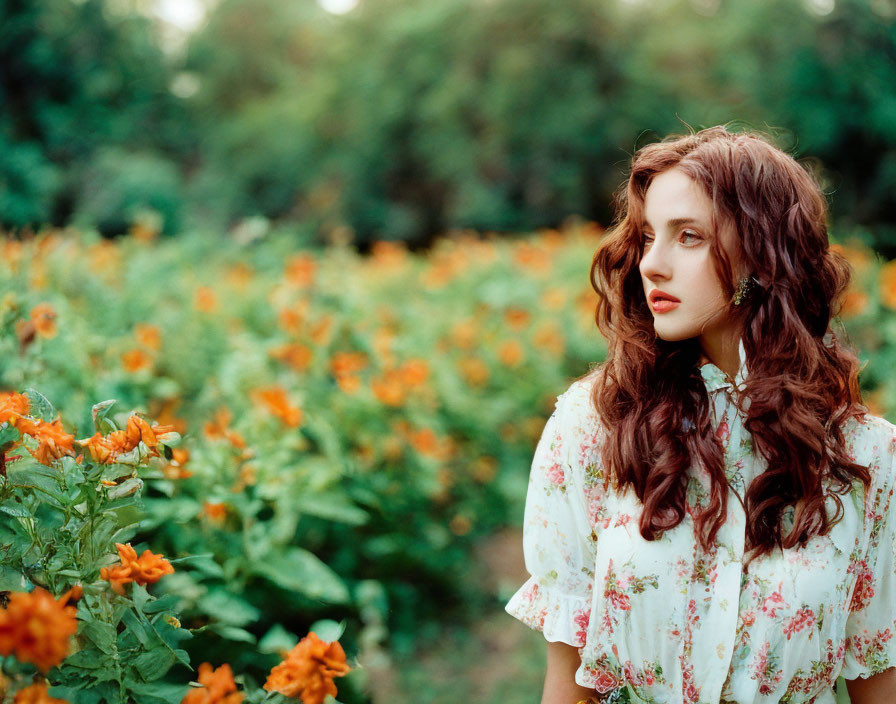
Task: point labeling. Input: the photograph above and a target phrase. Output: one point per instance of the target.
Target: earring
(744, 287)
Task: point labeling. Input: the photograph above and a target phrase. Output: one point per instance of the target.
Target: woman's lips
(664, 305)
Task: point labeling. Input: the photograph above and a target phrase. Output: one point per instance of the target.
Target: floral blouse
(664, 621)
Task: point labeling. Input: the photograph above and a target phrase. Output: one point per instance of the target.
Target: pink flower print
(748, 617)
(531, 594)
(768, 677)
(555, 474)
(581, 619)
(622, 519)
(690, 691)
(623, 581)
(774, 601)
(722, 432)
(606, 681)
(864, 588)
(760, 662)
(619, 600)
(803, 618)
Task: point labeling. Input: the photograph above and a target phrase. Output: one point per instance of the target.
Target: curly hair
(802, 384)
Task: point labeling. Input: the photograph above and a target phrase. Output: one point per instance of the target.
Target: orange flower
(296, 355)
(55, 443)
(308, 670)
(276, 401)
(12, 406)
(460, 524)
(36, 628)
(414, 372)
(300, 270)
(474, 371)
(549, 337)
(218, 687)
(510, 352)
(215, 511)
(349, 383)
(425, 441)
(148, 335)
(36, 694)
(854, 303)
(517, 318)
(554, 298)
(136, 359)
(343, 363)
(206, 301)
(389, 390)
(106, 449)
(146, 569)
(218, 427)
(463, 334)
(44, 318)
(888, 284)
(163, 411)
(389, 254)
(858, 256)
(322, 331)
(532, 257)
(177, 467)
(290, 320)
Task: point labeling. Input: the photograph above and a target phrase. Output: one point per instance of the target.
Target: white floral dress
(664, 621)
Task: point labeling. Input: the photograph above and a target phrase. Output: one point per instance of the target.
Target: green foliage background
(402, 120)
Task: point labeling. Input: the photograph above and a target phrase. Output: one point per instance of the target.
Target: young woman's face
(676, 259)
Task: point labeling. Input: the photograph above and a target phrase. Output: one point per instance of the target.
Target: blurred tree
(404, 119)
(74, 77)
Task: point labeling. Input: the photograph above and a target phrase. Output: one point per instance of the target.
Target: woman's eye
(691, 233)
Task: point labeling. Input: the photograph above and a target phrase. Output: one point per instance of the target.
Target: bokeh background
(344, 248)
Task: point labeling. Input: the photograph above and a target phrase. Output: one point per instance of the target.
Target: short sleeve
(558, 542)
(871, 624)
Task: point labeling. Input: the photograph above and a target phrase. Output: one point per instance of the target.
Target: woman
(695, 532)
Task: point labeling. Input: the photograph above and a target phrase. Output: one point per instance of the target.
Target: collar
(715, 378)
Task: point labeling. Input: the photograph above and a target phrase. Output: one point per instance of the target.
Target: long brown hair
(803, 385)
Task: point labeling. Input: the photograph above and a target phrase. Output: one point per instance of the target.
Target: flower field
(262, 467)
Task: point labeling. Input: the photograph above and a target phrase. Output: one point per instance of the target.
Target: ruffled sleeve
(871, 625)
(558, 542)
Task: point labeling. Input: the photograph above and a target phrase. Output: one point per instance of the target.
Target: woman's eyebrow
(674, 222)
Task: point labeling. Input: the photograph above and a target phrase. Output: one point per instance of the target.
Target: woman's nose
(655, 262)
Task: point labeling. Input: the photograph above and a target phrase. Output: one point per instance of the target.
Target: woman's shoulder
(575, 407)
(870, 437)
(871, 441)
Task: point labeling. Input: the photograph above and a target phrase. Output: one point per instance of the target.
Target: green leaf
(228, 608)
(154, 664)
(140, 630)
(8, 435)
(277, 639)
(331, 507)
(140, 596)
(233, 633)
(12, 580)
(327, 629)
(101, 421)
(102, 635)
(156, 692)
(39, 406)
(87, 659)
(299, 570)
(171, 636)
(163, 603)
(16, 510)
